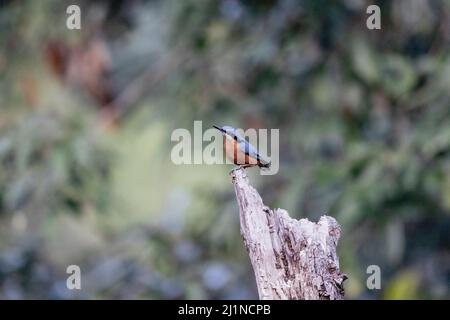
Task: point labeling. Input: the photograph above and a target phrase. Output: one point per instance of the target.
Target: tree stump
(292, 259)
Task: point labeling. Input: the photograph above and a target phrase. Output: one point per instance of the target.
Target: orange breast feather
(235, 154)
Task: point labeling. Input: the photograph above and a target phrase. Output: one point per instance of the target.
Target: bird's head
(228, 131)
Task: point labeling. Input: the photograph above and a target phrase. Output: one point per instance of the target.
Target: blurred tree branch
(145, 82)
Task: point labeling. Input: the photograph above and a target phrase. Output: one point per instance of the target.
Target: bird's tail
(264, 164)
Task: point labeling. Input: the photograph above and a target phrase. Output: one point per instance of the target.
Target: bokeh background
(86, 118)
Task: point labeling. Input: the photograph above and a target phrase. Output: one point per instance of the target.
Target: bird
(240, 151)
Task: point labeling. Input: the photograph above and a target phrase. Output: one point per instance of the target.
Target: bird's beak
(219, 128)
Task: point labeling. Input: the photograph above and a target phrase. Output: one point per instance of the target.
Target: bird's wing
(249, 149)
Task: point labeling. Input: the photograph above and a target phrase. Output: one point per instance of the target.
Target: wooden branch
(292, 259)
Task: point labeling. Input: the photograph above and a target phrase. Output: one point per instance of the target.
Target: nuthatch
(239, 150)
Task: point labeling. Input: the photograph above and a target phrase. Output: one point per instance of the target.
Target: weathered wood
(292, 259)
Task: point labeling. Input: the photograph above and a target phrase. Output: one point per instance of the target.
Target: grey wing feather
(249, 149)
(252, 152)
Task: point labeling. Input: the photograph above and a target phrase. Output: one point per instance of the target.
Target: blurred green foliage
(364, 119)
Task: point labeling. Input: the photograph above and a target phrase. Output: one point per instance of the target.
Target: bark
(291, 259)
